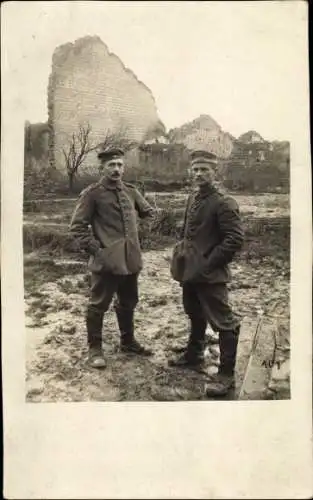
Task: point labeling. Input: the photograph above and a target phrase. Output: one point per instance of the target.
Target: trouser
(103, 289)
(208, 303)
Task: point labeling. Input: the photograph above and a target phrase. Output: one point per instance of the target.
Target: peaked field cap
(110, 153)
(202, 156)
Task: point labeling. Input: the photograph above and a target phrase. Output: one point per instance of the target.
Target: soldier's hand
(99, 255)
(94, 247)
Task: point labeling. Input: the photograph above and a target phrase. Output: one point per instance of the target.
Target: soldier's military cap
(202, 156)
(110, 153)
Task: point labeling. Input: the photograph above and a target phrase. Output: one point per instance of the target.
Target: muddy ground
(56, 293)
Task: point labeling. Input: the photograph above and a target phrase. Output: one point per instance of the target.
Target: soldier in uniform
(212, 234)
(105, 225)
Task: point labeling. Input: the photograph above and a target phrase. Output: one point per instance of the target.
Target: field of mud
(56, 294)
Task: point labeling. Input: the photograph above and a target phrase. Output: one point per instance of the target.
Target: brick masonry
(88, 84)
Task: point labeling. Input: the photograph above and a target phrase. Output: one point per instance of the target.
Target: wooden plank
(259, 363)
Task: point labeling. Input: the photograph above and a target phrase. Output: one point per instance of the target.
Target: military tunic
(211, 236)
(105, 225)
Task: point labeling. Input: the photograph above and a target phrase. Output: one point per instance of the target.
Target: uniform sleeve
(231, 229)
(80, 223)
(143, 208)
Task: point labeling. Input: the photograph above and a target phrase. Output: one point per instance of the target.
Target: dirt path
(56, 338)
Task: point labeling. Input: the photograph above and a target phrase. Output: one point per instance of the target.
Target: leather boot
(224, 380)
(193, 355)
(94, 322)
(129, 344)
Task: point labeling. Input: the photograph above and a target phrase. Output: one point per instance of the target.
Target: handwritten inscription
(269, 363)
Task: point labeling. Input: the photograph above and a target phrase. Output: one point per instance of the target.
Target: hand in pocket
(112, 259)
(101, 256)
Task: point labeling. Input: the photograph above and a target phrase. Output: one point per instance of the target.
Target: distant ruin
(203, 132)
(88, 84)
(248, 163)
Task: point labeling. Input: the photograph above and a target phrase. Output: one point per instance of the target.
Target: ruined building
(203, 133)
(90, 85)
(258, 165)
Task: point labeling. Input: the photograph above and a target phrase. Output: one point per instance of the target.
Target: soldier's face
(112, 169)
(202, 173)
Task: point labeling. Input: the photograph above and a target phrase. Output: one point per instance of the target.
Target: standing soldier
(105, 225)
(212, 234)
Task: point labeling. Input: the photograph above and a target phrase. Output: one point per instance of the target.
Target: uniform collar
(108, 184)
(205, 191)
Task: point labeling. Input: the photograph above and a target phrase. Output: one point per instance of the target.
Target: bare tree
(80, 146)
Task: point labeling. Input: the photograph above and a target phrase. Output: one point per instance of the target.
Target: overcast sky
(240, 62)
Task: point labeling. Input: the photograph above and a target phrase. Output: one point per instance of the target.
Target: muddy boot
(224, 380)
(129, 344)
(198, 328)
(94, 331)
(220, 385)
(95, 357)
(193, 355)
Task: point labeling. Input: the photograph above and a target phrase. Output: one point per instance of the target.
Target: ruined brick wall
(203, 133)
(88, 84)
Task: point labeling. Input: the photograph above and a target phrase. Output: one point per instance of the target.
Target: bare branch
(80, 145)
(78, 148)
